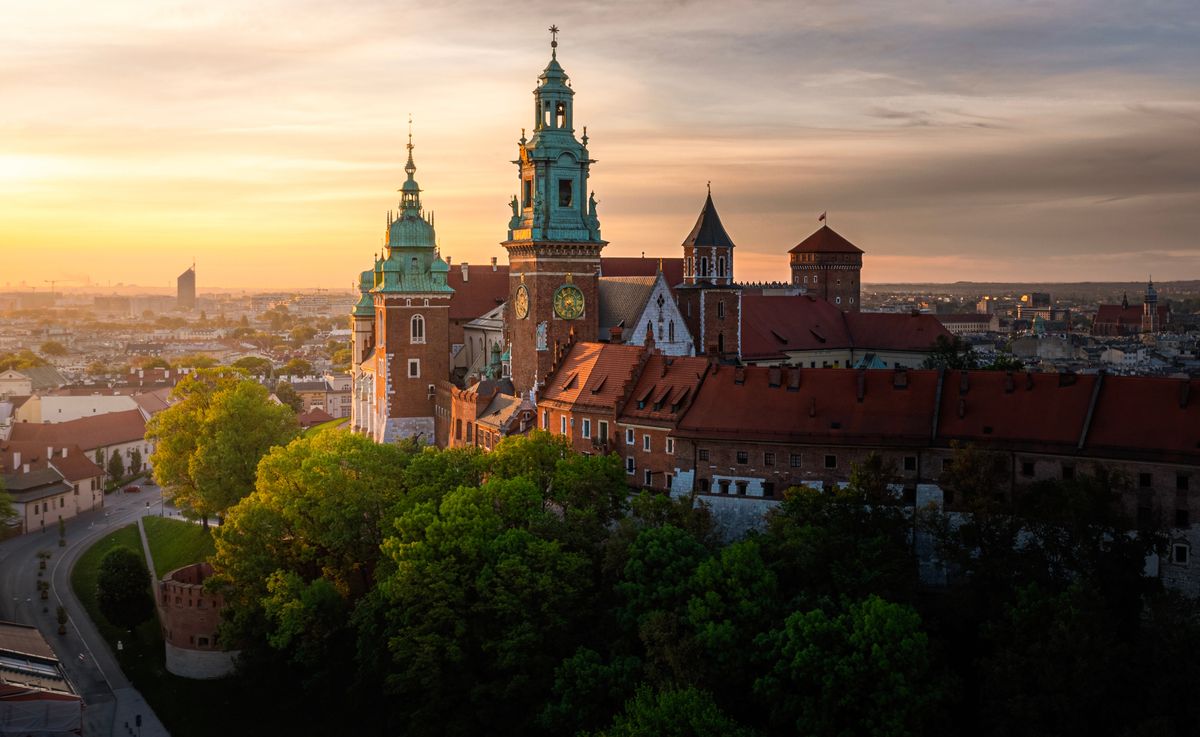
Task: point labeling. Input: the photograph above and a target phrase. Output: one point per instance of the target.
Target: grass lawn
(186, 707)
(326, 425)
(175, 543)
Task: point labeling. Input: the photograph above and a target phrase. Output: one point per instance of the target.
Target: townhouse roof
(623, 299)
(153, 402)
(88, 433)
(23, 639)
(825, 240)
(594, 375)
(1149, 413)
(1018, 407)
(39, 484)
(43, 377)
(499, 410)
(73, 466)
(314, 417)
(483, 289)
(894, 331)
(665, 389)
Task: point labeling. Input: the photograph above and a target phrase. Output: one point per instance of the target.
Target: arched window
(671, 331)
(703, 266)
(418, 329)
(721, 266)
(560, 115)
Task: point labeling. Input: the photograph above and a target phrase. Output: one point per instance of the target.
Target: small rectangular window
(648, 477)
(703, 454)
(646, 443)
(670, 480)
(1145, 480)
(741, 488)
(562, 423)
(768, 459)
(830, 461)
(1026, 468)
(602, 434)
(670, 446)
(1180, 554)
(629, 436)
(724, 486)
(720, 309)
(768, 489)
(795, 462)
(414, 368)
(743, 457)
(565, 188)
(910, 463)
(546, 420)
(587, 428)
(704, 486)
(630, 465)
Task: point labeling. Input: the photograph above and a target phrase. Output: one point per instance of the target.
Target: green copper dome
(411, 230)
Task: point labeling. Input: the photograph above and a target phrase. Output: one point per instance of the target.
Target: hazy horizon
(983, 141)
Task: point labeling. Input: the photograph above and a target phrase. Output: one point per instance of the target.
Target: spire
(410, 167)
(708, 230)
(410, 198)
(553, 41)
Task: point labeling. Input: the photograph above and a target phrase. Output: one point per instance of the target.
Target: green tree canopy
(297, 367)
(677, 712)
(22, 359)
(254, 365)
(53, 348)
(123, 588)
(287, 394)
(115, 468)
(951, 353)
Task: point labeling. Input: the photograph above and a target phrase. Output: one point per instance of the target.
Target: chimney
(16, 459)
(49, 452)
(962, 408)
(964, 383)
(614, 334)
(862, 384)
(64, 451)
(493, 263)
(25, 468)
(465, 273)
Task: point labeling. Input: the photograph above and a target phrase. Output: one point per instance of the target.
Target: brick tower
(830, 267)
(708, 298)
(554, 238)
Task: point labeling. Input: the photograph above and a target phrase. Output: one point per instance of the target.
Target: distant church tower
(401, 327)
(554, 238)
(709, 299)
(1150, 321)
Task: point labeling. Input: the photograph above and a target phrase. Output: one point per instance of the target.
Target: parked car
(132, 489)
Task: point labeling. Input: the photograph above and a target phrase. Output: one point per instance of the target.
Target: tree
(254, 365)
(209, 443)
(678, 712)
(116, 468)
(135, 461)
(287, 394)
(301, 334)
(297, 367)
(22, 359)
(864, 670)
(7, 511)
(195, 361)
(53, 348)
(122, 590)
(340, 359)
(951, 353)
(1005, 362)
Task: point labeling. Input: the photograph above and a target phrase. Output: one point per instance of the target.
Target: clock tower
(554, 238)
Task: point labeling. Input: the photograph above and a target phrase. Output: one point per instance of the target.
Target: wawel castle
(708, 386)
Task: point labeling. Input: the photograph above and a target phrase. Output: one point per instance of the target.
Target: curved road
(90, 664)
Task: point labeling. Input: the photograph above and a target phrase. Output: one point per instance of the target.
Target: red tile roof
(314, 416)
(894, 331)
(594, 375)
(818, 405)
(626, 266)
(772, 325)
(825, 240)
(1160, 416)
(480, 293)
(667, 383)
(88, 433)
(76, 466)
(997, 407)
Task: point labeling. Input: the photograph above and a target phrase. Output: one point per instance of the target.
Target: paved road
(110, 699)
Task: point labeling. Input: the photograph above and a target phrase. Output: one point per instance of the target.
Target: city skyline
(987, 144)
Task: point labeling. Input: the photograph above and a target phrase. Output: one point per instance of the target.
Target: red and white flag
(821, 219)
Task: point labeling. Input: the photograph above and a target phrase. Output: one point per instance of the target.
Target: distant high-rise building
(185, 289)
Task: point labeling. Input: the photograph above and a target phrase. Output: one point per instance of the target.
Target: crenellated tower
(554, 238)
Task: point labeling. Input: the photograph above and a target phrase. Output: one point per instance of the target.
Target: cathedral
(431, 338)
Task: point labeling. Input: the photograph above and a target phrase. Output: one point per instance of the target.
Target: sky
(979, 140)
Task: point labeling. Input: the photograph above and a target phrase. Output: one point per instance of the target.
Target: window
(565, 187)
(703, 454)
(704, 485)
(1181, 482)
(648, 477)
(1068, 472)
(670, 331)
(910, 463)
(414, 368)
(527, 193)
(724, 486)
(1181, 518)
(629, 439)
(768, 489)
(768, 459)
(646, 443)
(560, 115)
(837, 300)
(704, 266)
(741, 488)
(418, 329)
(1026, 468)
(743, 457)
(1180, 553)
(562, 424)
(470, 432)
(670, 446)
(830, 461)
(720, 308)
(1145, 480)
(203, 642)
(458, 429)
(721, 266)
(587, 428)
(721, 342)
(629, 465)
(546, 419)
(602, 435)
(670, 480)
(795, 461)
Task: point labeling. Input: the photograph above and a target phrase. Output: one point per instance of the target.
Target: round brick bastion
(190, 617)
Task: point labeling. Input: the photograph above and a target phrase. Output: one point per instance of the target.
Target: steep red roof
(823, 405)
(772, 325)
(480, 293)
(313, 417)
(75, 466)
(1158, 415)
(665, 389)
(88, 433)
(594, 374)
(825, 240)
(997, 407)
(634, 266)
(894, 331)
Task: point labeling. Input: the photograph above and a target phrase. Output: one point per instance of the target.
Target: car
(132, 489)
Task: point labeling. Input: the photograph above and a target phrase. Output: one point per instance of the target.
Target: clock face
(521, 302)
(568, 302)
